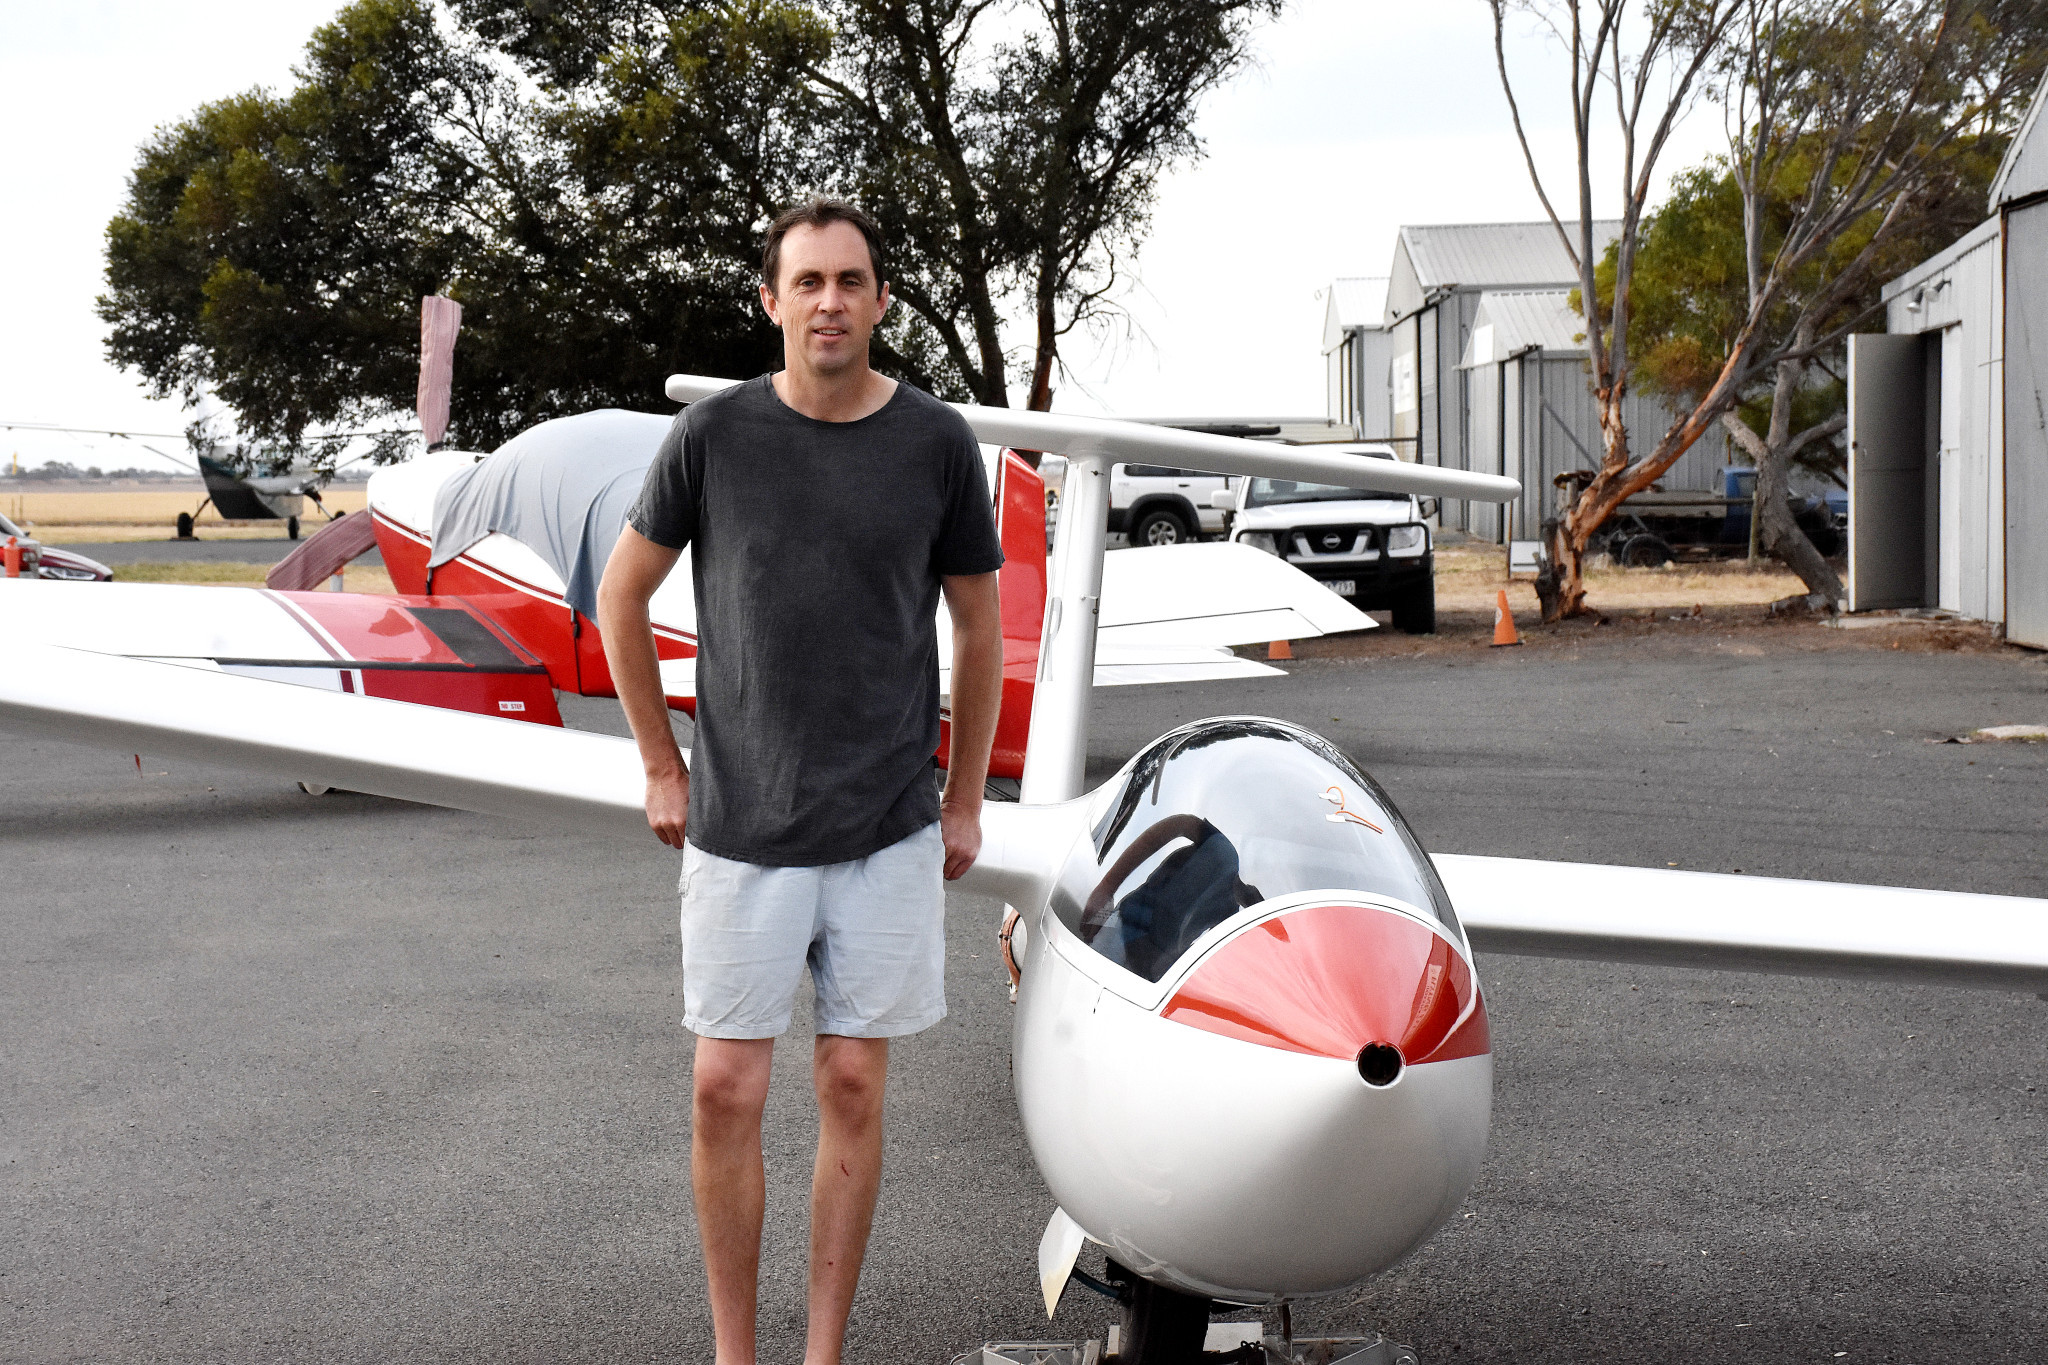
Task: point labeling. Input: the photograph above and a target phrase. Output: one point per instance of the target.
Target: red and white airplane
(1251, 1047)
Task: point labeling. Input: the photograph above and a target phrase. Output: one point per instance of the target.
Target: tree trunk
(1584, 515)
(1772, 526)
(1781, 535)
(1048, 354)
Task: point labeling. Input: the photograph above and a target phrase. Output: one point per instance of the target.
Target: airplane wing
(437, 653)
(564, 778)
(560, 778)
(1739, 923)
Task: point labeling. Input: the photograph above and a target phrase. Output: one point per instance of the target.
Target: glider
(1251, 1046)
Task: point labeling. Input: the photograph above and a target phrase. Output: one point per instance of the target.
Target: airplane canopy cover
(561, 488)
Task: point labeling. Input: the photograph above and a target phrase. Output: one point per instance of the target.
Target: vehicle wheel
(1415, 610)
(1161, 527)
(1644, 552)
(291, 528)
(184, 526)
(1162, 1326)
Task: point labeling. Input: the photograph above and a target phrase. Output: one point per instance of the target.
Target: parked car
(68, 564)
(31, 548)
(1154, 505)
(1369, 547)
(47, 561)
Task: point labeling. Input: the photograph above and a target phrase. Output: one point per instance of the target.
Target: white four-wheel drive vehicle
(1154, 505)
(1371, 548)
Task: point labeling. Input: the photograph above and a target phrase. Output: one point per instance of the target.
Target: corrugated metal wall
(2025, 426)
(1539, 403)
(1537, 411)
(1958, 307)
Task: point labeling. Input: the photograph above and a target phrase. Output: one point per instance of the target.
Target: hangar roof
(1515, 320)
(1482, 256)
(2025, 169)
(1353, 301)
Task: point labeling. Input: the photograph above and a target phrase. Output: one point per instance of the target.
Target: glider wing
(1740, 923)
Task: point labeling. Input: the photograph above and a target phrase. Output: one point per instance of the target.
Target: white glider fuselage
(1254, 1064)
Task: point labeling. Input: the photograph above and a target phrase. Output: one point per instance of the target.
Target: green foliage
(1691, 291)
(590, 181)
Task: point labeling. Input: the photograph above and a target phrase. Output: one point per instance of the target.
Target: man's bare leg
(729, 1092)
(850, 1074)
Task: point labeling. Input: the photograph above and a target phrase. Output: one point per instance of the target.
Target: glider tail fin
(1020, 515)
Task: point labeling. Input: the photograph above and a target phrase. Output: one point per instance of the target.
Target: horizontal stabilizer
(1135, 442)
(1739, 923)
(1127, 665)
(1214, 596)
(1137, 666)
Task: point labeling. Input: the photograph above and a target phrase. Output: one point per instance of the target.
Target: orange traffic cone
(1280, 649)
(1504, 622)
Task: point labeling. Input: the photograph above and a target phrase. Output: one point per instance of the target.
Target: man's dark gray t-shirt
(817, 549)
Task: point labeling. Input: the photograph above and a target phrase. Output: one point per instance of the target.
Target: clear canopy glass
(1221, 815)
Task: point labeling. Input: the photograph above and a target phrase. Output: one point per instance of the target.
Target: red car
(47, 561)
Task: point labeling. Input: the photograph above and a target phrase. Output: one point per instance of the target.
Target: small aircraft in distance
(256, 497)
(1251, 1046)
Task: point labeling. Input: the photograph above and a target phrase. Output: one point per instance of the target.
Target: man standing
(827, 509)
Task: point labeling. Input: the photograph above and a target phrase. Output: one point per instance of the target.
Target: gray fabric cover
(562, 489)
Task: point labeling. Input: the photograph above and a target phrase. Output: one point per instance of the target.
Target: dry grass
(105, 510)
(357, 578)
(103, 534)
(1468, 577)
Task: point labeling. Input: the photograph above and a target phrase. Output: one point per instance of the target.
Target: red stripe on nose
(1329, 979)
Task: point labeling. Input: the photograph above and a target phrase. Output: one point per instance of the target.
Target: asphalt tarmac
(171, 550)
(337, 1078)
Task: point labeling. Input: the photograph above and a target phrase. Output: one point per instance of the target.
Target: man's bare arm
(977, 610)
(636, 568)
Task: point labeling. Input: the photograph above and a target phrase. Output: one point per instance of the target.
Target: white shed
(1357, 349)
(1948, 418)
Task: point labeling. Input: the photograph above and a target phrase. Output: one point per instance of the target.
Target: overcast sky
(1361, 115)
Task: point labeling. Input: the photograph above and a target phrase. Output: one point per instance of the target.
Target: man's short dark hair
(816, 212)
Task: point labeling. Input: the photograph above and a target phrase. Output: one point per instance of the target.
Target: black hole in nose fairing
(1379, 1063)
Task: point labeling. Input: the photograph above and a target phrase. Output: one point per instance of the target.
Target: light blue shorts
(872, 931)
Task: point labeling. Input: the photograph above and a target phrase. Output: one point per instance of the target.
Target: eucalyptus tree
(590, 180)
(1841, 120)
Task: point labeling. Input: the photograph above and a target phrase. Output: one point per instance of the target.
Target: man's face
(825, 302)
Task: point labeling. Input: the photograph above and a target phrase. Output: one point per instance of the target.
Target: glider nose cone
(1307, 1106)
(1356, 982)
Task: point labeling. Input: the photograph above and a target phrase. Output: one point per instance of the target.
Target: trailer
(1655, 527)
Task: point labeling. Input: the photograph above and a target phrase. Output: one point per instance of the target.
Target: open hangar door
(1894, 470)
(2026, 423)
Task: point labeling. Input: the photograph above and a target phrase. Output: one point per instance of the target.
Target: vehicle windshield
(1220, 816)
(8, 528)
(1270, 492)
